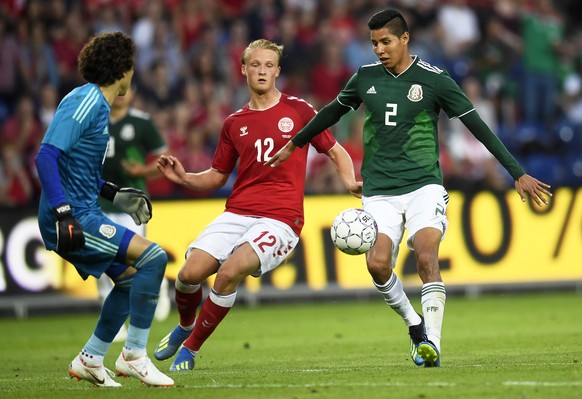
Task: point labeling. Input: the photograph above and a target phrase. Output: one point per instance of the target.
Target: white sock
(395, 297)
(188, 328)
(433, 299)
(185, 287)
(91, 360)
(192, 352)
(132, 354)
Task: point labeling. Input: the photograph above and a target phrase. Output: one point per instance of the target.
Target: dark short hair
(106, 57)
(390, 19)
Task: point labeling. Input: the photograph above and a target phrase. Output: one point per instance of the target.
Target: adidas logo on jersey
(371, 90)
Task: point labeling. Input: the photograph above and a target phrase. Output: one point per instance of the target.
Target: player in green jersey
(403, 181)
(133, 137)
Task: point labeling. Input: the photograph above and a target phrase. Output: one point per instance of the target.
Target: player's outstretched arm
(328, 116)
(537, 190)
(281, 155)
(173, 170)
(345, 169)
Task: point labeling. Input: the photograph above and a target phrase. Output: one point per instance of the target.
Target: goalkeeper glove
(132, 201)
(70, 235)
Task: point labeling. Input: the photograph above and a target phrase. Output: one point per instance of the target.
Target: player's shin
(433, 297)
(115, 310)
(395, 297)
(144, 293)
(214, 310)
(188, 298)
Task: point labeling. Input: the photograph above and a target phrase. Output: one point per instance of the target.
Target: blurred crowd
(519, 61)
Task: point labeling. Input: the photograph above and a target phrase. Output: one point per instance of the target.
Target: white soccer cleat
(144, 369)
(98, 376)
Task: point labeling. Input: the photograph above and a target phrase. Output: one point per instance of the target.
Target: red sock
(187, 305)
(210, 317)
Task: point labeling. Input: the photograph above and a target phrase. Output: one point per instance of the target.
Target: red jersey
(254, 137)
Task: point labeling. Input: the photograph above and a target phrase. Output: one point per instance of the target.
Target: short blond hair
(262, 44)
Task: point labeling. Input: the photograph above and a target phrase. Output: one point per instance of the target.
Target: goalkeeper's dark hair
(106, 57)
(390, 19)
(263, 44)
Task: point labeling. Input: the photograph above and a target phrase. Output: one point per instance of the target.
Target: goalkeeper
(72, 224)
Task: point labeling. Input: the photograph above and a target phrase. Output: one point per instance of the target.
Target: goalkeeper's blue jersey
(79, 129)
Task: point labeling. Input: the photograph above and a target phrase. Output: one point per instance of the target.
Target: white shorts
(271, 239)
(425, 207)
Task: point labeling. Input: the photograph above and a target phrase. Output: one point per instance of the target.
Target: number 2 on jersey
(392, 111)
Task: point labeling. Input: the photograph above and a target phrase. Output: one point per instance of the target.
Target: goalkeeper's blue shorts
(105, 249)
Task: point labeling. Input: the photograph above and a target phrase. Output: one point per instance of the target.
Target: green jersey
(401, 147)
(132, 138)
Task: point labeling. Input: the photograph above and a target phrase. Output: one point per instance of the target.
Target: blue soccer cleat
(170, 344)
(430, 354)
(184, 361)
(417, 335)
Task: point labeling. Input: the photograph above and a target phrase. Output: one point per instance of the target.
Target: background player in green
(403, 180)
(133, 137)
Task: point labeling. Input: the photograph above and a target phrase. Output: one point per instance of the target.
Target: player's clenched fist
(70, 235)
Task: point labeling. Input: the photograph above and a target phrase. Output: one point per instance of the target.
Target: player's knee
(197, 269)
(228, 279)
(154, 257)
(188, 275)
(378, 263)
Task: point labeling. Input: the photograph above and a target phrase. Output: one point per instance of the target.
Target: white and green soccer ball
(354, 231)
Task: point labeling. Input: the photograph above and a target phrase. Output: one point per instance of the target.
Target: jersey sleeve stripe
(460, 116)
(345, 105)
(88, 108)
(83, 103)
(86, 105)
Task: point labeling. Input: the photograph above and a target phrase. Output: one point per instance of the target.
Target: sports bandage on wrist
(109, 190)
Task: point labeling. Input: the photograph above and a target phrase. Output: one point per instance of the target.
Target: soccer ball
(354, 231)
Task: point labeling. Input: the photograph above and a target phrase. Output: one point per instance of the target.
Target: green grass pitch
(494, 346)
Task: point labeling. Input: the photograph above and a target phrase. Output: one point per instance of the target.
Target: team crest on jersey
(107, 230)
(127, 132)
(415, 93)
(286, 124)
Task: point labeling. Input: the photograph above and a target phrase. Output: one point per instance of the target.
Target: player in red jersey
(264, 213)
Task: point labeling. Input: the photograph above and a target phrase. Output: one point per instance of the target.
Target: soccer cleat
(144, 369)
(417, 335)
(170, 344)
(98, 376)
(430, 354)
(184, 361)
